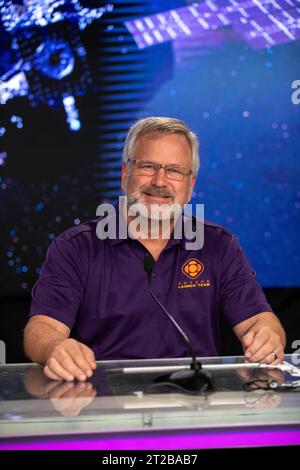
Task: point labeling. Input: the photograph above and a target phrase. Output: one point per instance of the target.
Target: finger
(269, 358)
(88, 386)
(52, 375)
(90, 393)
(65, 358)
(89, 355)
(52, 385)
(248, 339)
(80, 360)
(68, 354)
(274, 358)
(78, 390)
(261, 353)
(70, 363)
(75, 351)
(259, 340)
(280, 356)
(61, 390)
(266, 354)
(61, 368)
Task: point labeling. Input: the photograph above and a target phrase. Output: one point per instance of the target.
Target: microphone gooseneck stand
(194, 380)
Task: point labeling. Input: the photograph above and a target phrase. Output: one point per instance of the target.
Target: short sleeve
(59, 290)
(241, 295)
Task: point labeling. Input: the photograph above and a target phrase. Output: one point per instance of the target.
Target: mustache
(153, 191)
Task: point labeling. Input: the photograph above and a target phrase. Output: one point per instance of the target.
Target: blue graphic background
(238, 101)
(62, 129)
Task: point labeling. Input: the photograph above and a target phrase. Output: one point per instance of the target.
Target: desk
(114, 410)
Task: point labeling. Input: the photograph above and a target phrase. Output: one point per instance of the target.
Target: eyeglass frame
(164, 166)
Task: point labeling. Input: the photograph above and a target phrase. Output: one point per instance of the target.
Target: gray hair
(161, 126)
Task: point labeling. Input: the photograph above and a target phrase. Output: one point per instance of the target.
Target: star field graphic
(225, 67)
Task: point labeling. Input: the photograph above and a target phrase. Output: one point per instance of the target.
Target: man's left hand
(263, 338)
(263, 344)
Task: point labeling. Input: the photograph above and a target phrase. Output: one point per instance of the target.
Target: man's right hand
(69, 360)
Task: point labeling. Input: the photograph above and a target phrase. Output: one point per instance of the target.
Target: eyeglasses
(173, 172)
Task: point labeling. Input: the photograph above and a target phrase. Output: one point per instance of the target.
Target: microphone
(194, 380)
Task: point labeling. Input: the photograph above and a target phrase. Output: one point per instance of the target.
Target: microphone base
(190, 381)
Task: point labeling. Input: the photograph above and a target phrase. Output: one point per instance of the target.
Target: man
(92, 300)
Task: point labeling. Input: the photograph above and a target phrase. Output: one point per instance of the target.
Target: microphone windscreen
(148, 263)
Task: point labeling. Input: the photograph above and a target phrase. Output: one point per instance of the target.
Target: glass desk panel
(113, 402)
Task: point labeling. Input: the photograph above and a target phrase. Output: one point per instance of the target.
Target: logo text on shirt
(189, 284)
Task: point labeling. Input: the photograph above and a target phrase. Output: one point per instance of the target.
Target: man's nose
(160, 178)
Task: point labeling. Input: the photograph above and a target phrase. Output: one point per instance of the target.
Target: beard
(156, 211)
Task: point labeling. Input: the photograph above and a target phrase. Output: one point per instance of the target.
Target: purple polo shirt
(99, 289)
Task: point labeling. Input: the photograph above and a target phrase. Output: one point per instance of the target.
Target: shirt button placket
(156, 284)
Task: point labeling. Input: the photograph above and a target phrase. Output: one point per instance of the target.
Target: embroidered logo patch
(192, 268)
